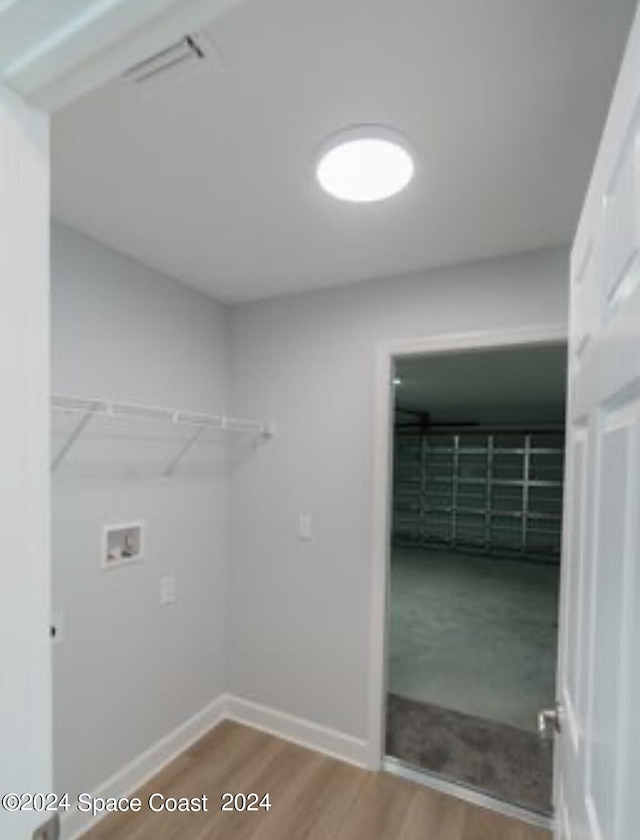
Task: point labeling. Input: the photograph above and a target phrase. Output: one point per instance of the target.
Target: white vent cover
(171, 62)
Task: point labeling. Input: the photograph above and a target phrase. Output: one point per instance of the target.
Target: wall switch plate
(305, 527)
(167, 590)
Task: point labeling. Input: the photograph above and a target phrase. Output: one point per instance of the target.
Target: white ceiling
(520, 385)
(210, 178)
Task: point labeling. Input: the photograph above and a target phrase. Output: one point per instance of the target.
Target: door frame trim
(386, 353)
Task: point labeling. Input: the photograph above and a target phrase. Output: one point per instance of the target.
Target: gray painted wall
(300, 617)
(286, 623)
(129, 671)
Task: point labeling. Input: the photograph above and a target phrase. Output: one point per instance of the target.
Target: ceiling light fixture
(364, 164)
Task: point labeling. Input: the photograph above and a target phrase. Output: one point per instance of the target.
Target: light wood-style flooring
(313, 797)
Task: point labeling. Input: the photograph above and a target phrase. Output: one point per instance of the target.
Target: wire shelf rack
(84, 411)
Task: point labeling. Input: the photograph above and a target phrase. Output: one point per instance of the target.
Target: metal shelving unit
(494, 492)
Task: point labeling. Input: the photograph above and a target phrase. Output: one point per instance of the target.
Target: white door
(25, 675)
(598, 755)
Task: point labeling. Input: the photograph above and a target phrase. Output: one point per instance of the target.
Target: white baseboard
(300, 731)
(282, 725)
(123, 783)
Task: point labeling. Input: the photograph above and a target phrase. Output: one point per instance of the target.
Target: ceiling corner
(61, 57)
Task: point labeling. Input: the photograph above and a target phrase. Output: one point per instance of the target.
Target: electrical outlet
(167, 590)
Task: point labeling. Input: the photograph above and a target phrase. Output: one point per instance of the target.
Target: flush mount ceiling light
(364, 164)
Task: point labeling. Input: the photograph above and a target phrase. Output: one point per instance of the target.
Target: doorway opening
(474, 567)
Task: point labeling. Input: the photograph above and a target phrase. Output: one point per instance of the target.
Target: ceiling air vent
(170, 62)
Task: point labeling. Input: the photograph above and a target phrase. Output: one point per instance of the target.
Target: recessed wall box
(121, 544)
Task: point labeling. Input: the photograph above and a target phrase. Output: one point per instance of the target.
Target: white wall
(25, 659)
(129, 671)
(300, 618)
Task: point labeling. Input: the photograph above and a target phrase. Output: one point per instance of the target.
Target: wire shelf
(87, 409)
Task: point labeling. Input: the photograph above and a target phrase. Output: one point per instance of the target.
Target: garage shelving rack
(497, 492)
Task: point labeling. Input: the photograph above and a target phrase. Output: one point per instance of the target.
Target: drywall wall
(301, 609)
(129, 671)
(286, 623)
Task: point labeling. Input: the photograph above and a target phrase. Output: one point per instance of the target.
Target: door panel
(574, 583)
(598, 756)
(630, 731)
(621, 226)
(582, 304)
(612, 516)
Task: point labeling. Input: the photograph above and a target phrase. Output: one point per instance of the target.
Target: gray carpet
(497, 759)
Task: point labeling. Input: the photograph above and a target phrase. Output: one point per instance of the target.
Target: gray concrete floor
(474, 634)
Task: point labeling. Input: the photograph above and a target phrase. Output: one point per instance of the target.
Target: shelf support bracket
(73, 437)
(185, 449)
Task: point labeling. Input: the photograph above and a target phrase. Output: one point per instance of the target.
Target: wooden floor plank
(380, 809)
(284, 776)
(313, 797)
(434, 815)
